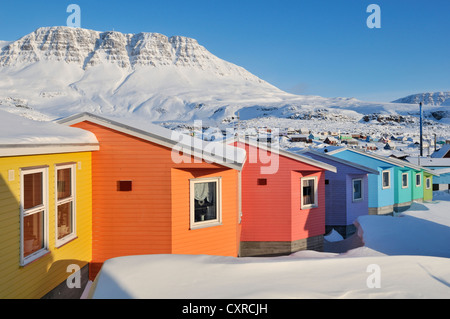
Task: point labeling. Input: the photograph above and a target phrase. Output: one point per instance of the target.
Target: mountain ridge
(59, 71)
(429, 98)
(127, 50)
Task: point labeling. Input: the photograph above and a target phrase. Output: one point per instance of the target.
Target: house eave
(192, 150)
(10, 150)
(287, 154)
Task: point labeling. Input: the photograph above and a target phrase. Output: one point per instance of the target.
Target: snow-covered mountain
(59, 71)
(431, 98)
(87, 48)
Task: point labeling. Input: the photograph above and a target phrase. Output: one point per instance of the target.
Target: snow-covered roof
(214, 152)
(440, 153)
(277, 150)
(389, 160)
(429, 162)
(24, 136)
(338, 160)
(443, 171)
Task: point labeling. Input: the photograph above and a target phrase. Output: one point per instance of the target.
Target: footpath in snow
(406, 256)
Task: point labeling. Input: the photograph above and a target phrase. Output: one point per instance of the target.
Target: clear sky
(318, 47)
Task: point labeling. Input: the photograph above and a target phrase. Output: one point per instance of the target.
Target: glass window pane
(405, 180)
(386, 181)
(308, 192)
(64, 183)
(33, 233)
(357, 189)
(205, 201)
(64, 220)
(418, 179)
(32, 190)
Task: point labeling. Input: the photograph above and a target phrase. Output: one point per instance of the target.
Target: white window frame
(428, 183)
(28, 212)
(353, 190)
(71, 199)
(420, 179)
(316, 197)
(389, 179)
(207, 223)
(407, 180)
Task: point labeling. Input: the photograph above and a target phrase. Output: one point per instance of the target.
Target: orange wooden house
(158, 193)
(283, 201)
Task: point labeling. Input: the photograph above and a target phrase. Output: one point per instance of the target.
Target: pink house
(283, 201)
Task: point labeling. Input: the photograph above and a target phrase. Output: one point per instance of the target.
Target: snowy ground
(403, 257)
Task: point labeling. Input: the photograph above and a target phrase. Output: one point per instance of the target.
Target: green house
(428, 186)
(413, 184)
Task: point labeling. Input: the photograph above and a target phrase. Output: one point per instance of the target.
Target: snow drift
(409, 252)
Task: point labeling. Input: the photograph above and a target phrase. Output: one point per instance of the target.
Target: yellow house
(45, 208)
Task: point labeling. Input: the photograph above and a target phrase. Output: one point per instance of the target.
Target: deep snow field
(403, 257)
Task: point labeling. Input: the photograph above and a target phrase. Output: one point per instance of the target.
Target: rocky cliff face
(89, 48)
(434, 98)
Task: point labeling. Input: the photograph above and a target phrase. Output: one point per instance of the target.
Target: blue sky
(318, 47)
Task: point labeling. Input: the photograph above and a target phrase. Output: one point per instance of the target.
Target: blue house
(346, 192)
(398, 184)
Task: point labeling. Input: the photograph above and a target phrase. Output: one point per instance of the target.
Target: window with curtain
(205, 202)
(33, 214)
(65, 203)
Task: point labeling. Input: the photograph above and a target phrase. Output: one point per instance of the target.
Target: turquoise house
(420, 181)
(398, 184)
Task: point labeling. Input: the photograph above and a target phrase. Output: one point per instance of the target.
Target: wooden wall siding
(336, 199)
(307, 223)
(217, 240)
(356, 209)
(417, 192)
(150, 218)
(378, 197)
(386, 196)
(340, 208)
(272, 212)
(427, 193)
(443, 178)
(36, 279)
(403, 195)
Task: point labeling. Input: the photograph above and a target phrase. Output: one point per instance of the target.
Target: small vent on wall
(11, 175)
(124, 186)
(262, 181)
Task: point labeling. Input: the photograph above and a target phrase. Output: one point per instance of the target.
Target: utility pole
(421, 130)
(435, 140)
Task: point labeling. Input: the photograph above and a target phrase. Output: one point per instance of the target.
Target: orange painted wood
(153, 218)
